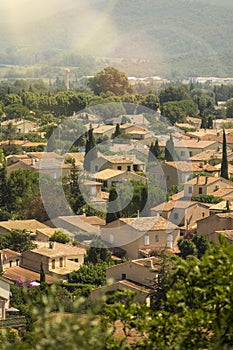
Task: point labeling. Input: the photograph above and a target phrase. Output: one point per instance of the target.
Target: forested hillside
(175, 37)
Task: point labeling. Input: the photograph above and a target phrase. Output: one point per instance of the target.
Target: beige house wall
(185, 152)
(206, 189)
(32, 261)
(180, 216)
(214, 223)
(131, 240)
(102, 164)
(138, 298)
(133, 271)
(5, 291)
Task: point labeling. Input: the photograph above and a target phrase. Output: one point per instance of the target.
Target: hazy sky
(26, 10)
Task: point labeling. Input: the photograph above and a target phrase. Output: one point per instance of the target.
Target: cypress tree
(112, 208)
(117, 131)
(156, 149)
(150, 154)
(90, 150)
(42, 274)
(204, 123)
(210, 123)
(224, 164)
(170, 155)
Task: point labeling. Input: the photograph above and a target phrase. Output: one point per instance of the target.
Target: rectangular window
(147, 240)
(17, 262)
(128, 168)
(96, 168)
(53, 264)
(190, 189)
(190, 153)
(61, 262)
(119, 167)
(176, 216)
(156, 238)
(123, 276)
(200, 190)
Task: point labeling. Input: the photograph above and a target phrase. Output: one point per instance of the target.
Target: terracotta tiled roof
(58, 249)
(223, 192)
(149, 223)
(49, 231)
(92, 220)
(18, 272)
(116, 160)
(137, 132)
(76, 223)
(221, 206)
(108, 174)
(202, 180)
(134, 286)
(168, 206)
(193, 144)
(28, 225)
(103, 129)
(191, 167)
(8, 253)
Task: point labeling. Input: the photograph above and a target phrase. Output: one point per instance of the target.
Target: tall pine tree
(224, 164)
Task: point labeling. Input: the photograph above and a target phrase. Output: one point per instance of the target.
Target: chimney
(51, 245)
(206, 180)
(149, 263)
(198, 177)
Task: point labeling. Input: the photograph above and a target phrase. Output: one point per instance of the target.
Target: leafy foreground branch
(191, 308)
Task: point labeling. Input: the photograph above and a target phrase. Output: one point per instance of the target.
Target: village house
(216, 186)
(45, 162)
(58, 259)
(22, 125)
(211, 155)
(25, 275)
(215, 224)
(222, 207)
(187, 148)
(138, 119)
(136, 276)
(212, 135)
(92, 193)
(79, 223)
(182, 212)
(104, 130)
(44, 234)
(109, 177)
(179, 172)
(124, 163)
(9, 258)
(139, 235)
(4, 296)
(132, 128)
(28, 225)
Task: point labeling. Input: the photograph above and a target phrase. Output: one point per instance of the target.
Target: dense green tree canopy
(110, 80)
